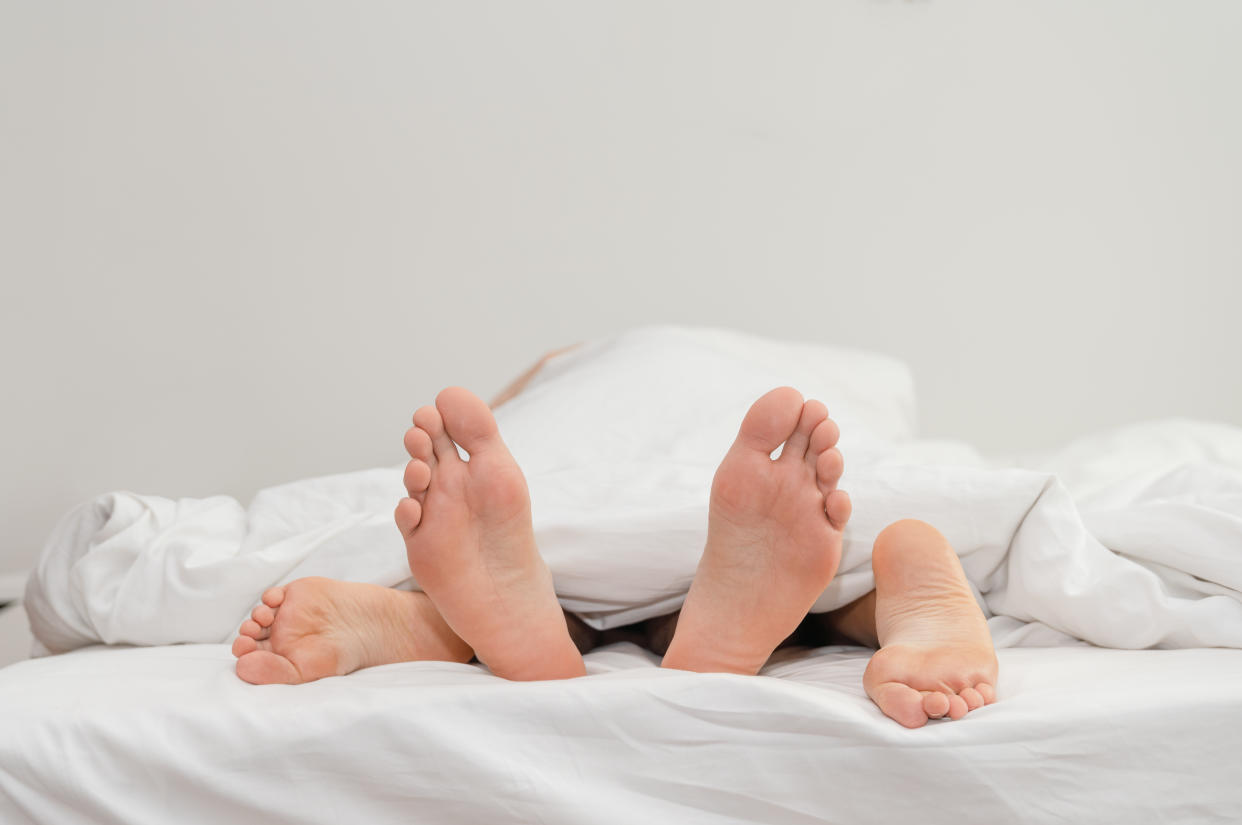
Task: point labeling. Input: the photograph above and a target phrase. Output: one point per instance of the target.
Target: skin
(774, 542)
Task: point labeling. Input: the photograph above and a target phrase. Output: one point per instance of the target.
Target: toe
(253, 629)
(935, 704)
(243, 645)
(823, 437)
(901, 703)
(813, 412)
(417, 476)
(987, 692)
(957, 707)
(972, 698)
(274, 596)
(264, 615)
(838, 506)
(467, 419)
(828, 469)
(771, 420)
(263, 667)
(429, 420)
(408, 515)
(418, 444)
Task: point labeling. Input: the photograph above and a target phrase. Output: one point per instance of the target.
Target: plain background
(240, 242)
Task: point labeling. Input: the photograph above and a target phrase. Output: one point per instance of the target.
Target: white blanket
(1130, 540)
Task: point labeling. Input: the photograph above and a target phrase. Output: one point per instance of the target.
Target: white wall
(240, 242)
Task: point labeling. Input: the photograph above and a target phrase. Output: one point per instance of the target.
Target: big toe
(771, 420)
(467, 418)
(901, 703)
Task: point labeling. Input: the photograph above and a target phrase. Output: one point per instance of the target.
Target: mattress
(160, 734)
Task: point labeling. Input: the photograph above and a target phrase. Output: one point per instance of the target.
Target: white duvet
(1130, 540)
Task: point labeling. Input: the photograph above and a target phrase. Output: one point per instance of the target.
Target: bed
(160, 734)
(1109, 571)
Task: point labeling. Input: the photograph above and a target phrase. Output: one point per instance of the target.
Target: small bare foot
(936, 657)
(471, 546)
(315, 627)
(773, 538)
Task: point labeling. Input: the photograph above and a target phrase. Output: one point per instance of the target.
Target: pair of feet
(774, 543)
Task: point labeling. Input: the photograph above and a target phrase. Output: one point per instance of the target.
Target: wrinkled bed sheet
(1129, 539)
(169, 734)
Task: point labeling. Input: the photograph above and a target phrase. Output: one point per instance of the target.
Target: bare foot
(315, 627)
(471, 546)
(936, 657)
(773, 538)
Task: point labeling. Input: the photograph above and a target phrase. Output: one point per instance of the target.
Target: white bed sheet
(169, 734)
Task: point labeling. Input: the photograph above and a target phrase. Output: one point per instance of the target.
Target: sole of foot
(314, 627)
(773, 538)
(471, 545)
(936, 658)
